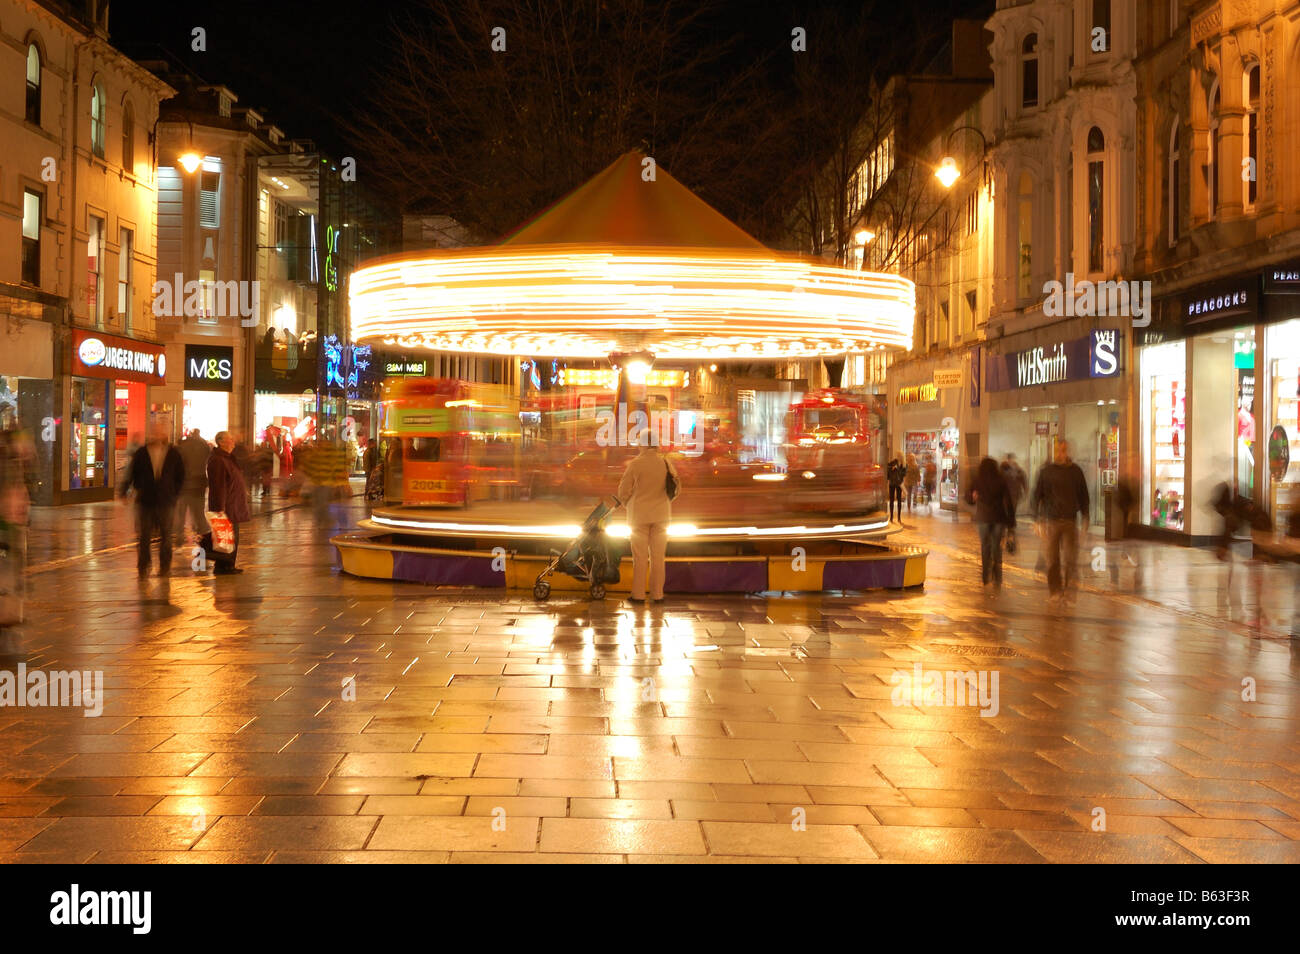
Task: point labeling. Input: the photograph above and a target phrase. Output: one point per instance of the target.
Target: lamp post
(948, 172)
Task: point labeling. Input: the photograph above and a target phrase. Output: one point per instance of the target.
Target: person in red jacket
(227, 494)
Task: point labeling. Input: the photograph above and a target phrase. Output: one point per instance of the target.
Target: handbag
(223, 532)
(672, 486)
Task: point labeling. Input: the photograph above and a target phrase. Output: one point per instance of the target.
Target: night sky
(310, 66)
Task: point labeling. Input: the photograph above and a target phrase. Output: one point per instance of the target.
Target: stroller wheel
(541, 590)
(598, 591)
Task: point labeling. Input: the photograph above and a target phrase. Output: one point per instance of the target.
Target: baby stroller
(589, 558)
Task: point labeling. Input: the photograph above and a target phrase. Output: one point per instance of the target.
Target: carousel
(637, 297)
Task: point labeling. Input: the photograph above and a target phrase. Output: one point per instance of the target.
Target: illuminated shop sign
(919, 394)
(608, 378)
(113, 357)
(1096, 356)
(417, 369)
(1282, 279)
(209, 368)
(1213, 306)
(346, 366)
(1226, 303)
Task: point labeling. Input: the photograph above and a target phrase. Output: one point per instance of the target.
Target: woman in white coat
(643, 492)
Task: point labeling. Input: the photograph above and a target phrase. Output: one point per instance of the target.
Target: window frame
(1252, 101)
(125, 275)
(1029, 65)
(33, 90)
(128, 136)
(1096, 201)
(98, 118)
(96, 229)
(31, 247)
(1102, 10)
(1213, 101)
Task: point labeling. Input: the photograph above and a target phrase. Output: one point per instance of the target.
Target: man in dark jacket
(227, 494)
(156, 473)
(1060, 496)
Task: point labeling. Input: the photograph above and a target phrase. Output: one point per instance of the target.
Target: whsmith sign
(1096, 356)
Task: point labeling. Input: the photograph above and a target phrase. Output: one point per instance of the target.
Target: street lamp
(948, 173)
(190, 159)
(864, 236)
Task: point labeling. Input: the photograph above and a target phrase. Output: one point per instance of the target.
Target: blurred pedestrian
(262, 464)
(228, 495)
(895, 473)
(994, 512)
(644, 492)
(194, 451)
(929, 480)
(1061, 497)
(1017, 483)
(327, 470)
(911, 481)
(243, 458)
(156, 473)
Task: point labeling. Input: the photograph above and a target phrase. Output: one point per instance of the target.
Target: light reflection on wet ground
(293, 713)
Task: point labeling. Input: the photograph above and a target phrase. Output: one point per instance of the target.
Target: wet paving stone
(294, 714)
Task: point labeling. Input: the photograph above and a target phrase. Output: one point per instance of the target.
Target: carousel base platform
(506, 546)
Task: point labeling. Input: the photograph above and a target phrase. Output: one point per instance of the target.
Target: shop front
(27, 365)
(110, 409)
(1219, 383)
(934, 414)
(1061, 384)
(1280, 397)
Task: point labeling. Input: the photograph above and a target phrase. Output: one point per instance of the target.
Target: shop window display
(89, 413)
(1164, 398)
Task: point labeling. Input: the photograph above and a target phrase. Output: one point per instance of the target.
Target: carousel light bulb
(636, 371)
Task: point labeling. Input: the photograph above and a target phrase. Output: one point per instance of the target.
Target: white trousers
(649, 542)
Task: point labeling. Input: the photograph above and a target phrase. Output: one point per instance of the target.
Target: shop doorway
(1042, 448)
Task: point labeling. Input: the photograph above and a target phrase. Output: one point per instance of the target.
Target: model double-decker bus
(447, 442)
(829, 454)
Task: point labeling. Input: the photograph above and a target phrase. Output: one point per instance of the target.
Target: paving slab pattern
(294, 714)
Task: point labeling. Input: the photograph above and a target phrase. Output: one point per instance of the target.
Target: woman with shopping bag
(227, 505)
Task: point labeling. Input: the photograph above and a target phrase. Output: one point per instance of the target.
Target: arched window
(1025, 234)
(1029, 72)
(1212, 181)
(33, 84)
(1250, 168)
(1096, 199)
(1175, 191)
(98, 107)
(128, 136)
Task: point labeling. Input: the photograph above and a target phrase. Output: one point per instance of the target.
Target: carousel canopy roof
(621, 207)
(625, 263)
